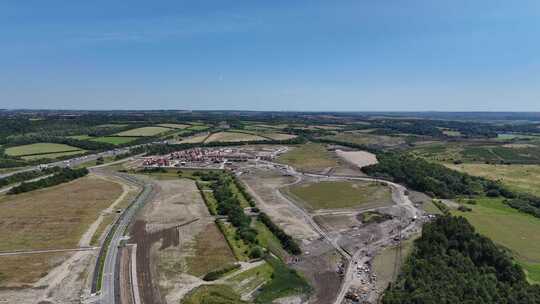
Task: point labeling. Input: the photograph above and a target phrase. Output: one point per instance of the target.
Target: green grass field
(174, 126)
(114, 140)
(144, 131)
(52, 155)
(309, 157)
(341, 194)
(512, 229)
(385, 262)
(248, 280)
(285, 282)
(38, 148)
(523, 178)
(212, 294)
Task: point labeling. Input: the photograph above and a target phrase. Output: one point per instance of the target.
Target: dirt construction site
(338, 244)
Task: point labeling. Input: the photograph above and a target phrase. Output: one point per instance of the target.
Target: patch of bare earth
(164, 240)
(358, 158)
(57, 217)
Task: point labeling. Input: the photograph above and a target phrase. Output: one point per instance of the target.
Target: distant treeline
(27, 175)
(451, 263)
(63, 176)
(286, 240)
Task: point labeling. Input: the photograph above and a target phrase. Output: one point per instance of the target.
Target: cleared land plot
(525, 178)
(114, 139)
(358, 158)
(174, 126)
(514, 230)
(144, 131)
(309, 157)
(39, 148)
(341, 194)
(211, 252)
(52, 218)
(233, 137)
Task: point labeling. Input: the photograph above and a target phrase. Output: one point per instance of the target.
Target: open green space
(115, 140)
(39, 148)
(285, 282)
(212, 294)
(52, 155)
(268, 240)
(174, 126)
(510, 228)
(521, 178)
(238, 247)
(363, 138)
(309, 157)
(250, 279)
(144, 131)
(341, 194)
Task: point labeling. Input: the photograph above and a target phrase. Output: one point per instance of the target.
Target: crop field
(211, 252)
(40, 148)
(199, 127)
(115, 140)
(194, 139)
(51, 155)
(309, 157)
(144, 131)
(52, 218)
(525, 178)
(279, 136)
(174, 126)
(341, 194)
(512, 229)
(509, 153)
(232, 137)
(368, 139)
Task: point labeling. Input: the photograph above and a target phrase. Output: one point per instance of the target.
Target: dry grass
(232, 137)
(211, 252)
(144, 131)
(174, 126)
(309, 157)
(358, 158)
(279, 136)
(39, 148)
(50, 218)
(24, 270)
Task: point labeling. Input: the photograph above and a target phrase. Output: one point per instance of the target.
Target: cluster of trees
(431, 178)
(525, 203)
(228, 204)
(451, 263)
(62, 176)
(216, 274)
(286, 240)
(27, 175)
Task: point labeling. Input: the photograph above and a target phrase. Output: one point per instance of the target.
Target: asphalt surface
(109, 284)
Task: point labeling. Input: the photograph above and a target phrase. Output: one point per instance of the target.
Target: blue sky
(360, 55)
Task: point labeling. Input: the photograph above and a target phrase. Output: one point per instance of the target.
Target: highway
(109, 286)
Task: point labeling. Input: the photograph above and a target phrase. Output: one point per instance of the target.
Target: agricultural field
(194, 139)
(309, 157)
(363, 138)
(341, 194)
(174, 126)
(510, 228)
(232, 137)
(522, 178)
(52, 218)
(40, 148)
(52, 155)
(115, 140)
(144, 131)
(469, 153)
(279, 136)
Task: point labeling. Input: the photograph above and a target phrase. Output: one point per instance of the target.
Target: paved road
(109, 284)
